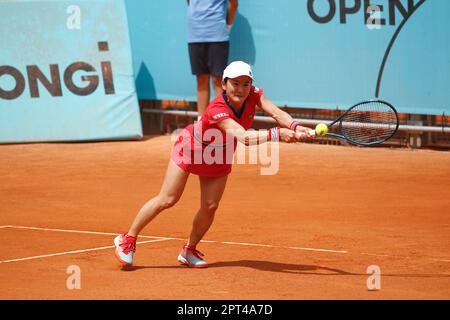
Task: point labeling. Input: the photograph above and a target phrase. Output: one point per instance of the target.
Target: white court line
(81, 231)
(210, 241)
(319, 250)
(248, 244)
(169, 238)
(441, 260)
(73, 252)
(376, 254)
(280, 247)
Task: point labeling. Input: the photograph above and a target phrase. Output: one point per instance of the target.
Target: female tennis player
(232, 115)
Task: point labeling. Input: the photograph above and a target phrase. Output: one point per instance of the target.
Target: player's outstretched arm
(253, 137)
(283, 118)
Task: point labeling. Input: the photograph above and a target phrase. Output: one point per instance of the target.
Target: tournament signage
(369, 10)
(310, 53)
(66, 72)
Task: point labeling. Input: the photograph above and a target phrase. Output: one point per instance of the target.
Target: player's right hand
(304, 133)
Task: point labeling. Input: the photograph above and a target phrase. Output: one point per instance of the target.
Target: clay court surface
(308, 232)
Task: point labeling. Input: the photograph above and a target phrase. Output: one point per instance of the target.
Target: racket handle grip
(311, 133)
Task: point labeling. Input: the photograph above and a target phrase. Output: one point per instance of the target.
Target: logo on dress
(220, 115)
(256, 90)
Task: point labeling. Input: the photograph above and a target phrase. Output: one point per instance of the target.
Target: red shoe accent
(129, 243)
(192, 251)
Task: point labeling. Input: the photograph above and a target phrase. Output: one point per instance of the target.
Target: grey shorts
(208, 57)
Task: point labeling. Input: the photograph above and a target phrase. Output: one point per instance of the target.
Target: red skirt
(202, 160)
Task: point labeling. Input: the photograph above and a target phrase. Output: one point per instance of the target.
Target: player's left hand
(303, 133)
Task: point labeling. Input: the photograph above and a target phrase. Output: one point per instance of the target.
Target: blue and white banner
(66, 72)
(309, 53)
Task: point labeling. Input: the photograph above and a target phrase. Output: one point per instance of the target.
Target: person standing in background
(209, 25)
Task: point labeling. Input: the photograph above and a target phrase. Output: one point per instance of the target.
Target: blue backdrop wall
(309, 53)
(66, 71)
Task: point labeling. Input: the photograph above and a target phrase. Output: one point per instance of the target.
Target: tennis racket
(366, 123)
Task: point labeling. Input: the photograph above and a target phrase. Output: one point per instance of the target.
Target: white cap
(237, 69)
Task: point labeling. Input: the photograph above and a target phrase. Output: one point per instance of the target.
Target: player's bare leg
(203, 93)
(211, 192)
(171, 191)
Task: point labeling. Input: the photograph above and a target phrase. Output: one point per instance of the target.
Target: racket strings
(369, 122)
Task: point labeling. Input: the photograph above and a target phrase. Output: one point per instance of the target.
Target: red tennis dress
(202, 148)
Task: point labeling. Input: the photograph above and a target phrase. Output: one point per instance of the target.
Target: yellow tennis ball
(321, 129)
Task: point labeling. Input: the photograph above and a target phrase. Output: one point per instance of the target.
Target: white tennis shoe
(125, 249)
(191, 257)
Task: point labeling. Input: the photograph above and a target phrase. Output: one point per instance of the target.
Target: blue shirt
(207, 21)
